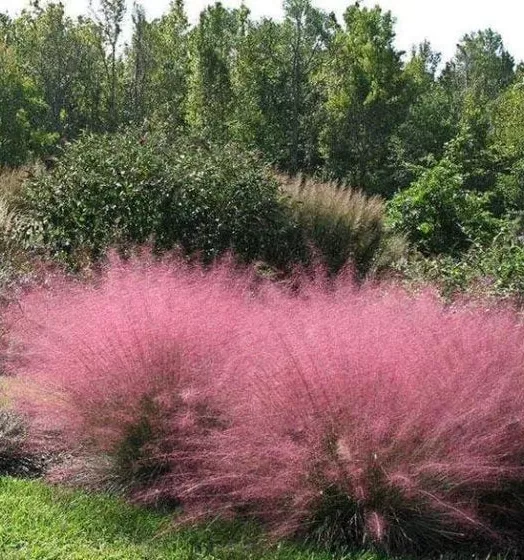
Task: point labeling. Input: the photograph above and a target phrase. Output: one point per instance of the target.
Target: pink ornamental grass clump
(354, 414)
(373, 416)
(124, 373)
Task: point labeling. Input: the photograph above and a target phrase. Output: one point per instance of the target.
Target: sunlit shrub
(494, 271)
(438, 214)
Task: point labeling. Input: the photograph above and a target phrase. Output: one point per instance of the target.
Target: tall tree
(22, 113)
(275, 82)
(507, 132)
(110, 16)
(139, 61)
(480, 70)
(259, 83)
(61, 57)
(481, 66)
(309, 31)
(169, 66)
(364, 98)
(430, 120)
(213, 49)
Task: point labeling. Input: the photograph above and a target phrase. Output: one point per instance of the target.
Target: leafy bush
(509, 189)
(495, 270)
(353, 415)
(344, 225)
(439, 215)
(125, 188)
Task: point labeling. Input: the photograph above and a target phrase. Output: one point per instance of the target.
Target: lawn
(40, 522)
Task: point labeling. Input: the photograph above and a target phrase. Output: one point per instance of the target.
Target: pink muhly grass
(126, 370)
(353, 414)
(372, 416)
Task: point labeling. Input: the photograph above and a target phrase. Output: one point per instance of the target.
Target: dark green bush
(439, 215)
(127, 189)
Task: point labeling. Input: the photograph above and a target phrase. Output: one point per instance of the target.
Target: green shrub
(439, 215)
(344, 225)
(119, 189)
(495, 270)
(509, 188)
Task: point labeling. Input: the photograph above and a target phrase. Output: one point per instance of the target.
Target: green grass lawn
(40, 522)
(47, 523)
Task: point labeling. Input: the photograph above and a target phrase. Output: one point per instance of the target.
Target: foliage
(110, 20)
(431, 120)
(211, 97)
(159, 67)
(346, 227)
(364, 89)
(505, 139)
(439, 215)
(22, 130)
(311, 94)
(505, 142)
(509, 188)
(481, 66)
(275, 82)
(494, 271)
(349, 415)
(130, 188)
(422, 137)
(62, 58)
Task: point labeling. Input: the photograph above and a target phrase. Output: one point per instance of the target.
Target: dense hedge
(125, 188)
(207, 199)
